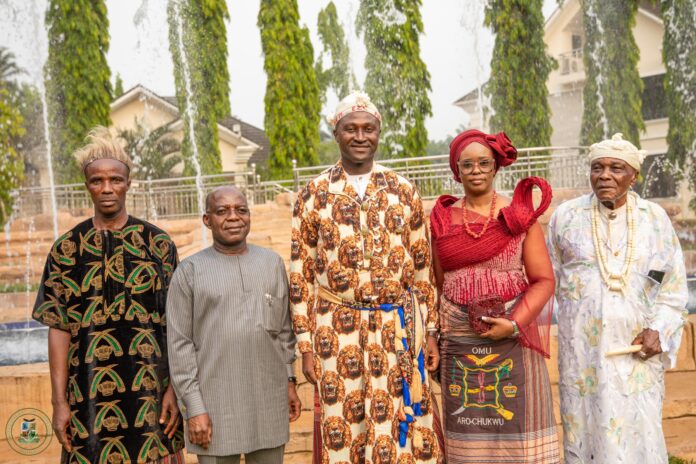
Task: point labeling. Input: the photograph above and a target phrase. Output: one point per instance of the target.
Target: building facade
(565, 38)
(240, 143)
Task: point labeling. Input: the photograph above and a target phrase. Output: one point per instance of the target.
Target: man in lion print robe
(363, 302)
(103, 295)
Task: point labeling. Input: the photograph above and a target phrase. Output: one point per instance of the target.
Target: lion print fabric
(366, 252)
(108, 289)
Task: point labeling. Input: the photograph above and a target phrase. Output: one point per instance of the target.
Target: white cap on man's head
(355, 101)
(618, 148)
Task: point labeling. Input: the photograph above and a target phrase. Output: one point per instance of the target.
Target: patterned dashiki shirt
(108, 289)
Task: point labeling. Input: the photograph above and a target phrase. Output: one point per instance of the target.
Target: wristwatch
(515, 329)
(292, 379)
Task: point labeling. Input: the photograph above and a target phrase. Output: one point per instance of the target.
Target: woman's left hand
(432, 354)
(500, 328)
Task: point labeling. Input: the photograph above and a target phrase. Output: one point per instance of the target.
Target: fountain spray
(192, 110)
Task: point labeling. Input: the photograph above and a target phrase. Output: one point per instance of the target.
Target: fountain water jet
(356, 47)
(472, 19)
(8, 251)
(596, 54)
(32, 41)
(42, 58)
(28, 277)
(191, 110)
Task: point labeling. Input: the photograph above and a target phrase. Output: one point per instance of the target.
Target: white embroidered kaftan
(611, 407)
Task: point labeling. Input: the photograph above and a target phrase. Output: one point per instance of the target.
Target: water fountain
(25, 341)
(41, 58)
(356, 46)
(151, 58)
(472, 20)
(8, 251)
(190, 114)
(33, 13)
(596, 54)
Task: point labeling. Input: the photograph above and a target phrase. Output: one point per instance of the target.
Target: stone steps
(24, 253)
(29, 385)
(679, 435)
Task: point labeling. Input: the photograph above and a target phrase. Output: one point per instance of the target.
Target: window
(654, 105)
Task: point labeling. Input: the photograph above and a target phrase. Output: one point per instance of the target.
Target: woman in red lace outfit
(496, 287)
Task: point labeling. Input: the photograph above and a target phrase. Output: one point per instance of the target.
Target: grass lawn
(675, 460)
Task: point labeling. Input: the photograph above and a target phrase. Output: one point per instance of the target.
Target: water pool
(23, 343)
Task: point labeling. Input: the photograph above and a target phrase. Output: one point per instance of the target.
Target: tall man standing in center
(231, 343)
(363, 303)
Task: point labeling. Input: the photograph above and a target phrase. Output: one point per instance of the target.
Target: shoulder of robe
(266, 254)
(73, 234)
(569, 208)
(192, 261)
(652, 209)
(153, 228)
(404, 181)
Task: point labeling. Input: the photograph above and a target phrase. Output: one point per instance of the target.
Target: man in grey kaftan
(231, 342)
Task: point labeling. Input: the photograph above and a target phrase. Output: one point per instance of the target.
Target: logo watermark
(28, 431)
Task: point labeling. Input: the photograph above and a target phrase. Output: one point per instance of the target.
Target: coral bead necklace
(465, 218)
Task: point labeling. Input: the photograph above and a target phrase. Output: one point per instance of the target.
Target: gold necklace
(615, 282)
(465, 218)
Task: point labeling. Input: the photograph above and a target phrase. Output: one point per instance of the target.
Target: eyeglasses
(485, 166)
(224, 211)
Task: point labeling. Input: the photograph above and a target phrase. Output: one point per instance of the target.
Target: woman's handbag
(488, 306)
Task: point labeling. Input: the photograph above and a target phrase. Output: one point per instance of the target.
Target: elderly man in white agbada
(621, 291)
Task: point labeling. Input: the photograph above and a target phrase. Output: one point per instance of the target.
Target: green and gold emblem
(92, 277)
(143, 278)
(110, 422)
(133, 242)
(144, 343)
(114, 452)
(51, 312)
(74, 389)
(103, 351)
(75, 457)
(91, 243)
(115, 268)
(64, 249)
(147, 412)
(139, 311)
(105, 381)
(152, 449)
(77, 427)
(146, 378)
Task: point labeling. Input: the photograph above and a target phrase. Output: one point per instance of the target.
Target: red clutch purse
(489, 306)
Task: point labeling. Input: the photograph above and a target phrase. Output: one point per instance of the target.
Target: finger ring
(642, 354)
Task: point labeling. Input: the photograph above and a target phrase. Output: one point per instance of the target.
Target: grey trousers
(264, 456)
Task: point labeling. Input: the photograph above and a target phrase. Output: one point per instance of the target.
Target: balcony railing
(570, 62)
(151, 199)
(564, 167)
